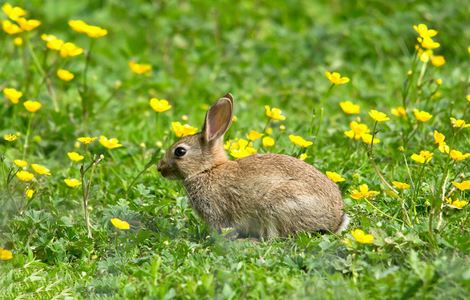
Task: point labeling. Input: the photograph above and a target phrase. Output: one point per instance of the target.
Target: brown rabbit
(262, 195)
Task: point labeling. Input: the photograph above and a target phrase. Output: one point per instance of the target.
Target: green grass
(264, 53)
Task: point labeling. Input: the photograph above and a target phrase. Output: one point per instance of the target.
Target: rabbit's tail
(344, 223)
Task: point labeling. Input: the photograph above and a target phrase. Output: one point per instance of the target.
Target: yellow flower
(72, 182)
(423, 30)
(458, 123)
(423, 157)
(13, 12)
(18, 41)
(335, 177)
(349, 107)
(457, 155)
(139, 68)
(274, 113)
(159, 105)
(468, 97)
(20, 163)
(29, 193)
(282, 127)
(70, 50)
(335, 78)
(86, 139)
(421, 115)
(111, 143)
(25, 176)
(74, 156)
(367, 138)
(428, 43)
(253, 135)
(457, 203)
(378, 116)
(363, 193)
(40, 169)
(5, 254)
(240, 148)
(269, 130)
(401, 185)
(32, 106)
(120, 224)
(438, 60)
(65, 75)
(11, 28)
(357, 130)
(399, 111)
(439, 81)
(183, 130)
(438, 137)
(12, 94)
(28, 25)
(361, 237)
(299, 141)
(268, 141)
(303, 156)
(443, 147)
(424, 55)
(90, 30)
(10, 137)
(463, 186)
(234, 119)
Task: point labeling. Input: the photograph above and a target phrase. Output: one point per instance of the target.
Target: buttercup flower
(40, 169)
(349, 107)
(423, 157)
(159, 105)
(74, 156)
(438, 60)
(72, 182)
(28, 25)
(335, 177)
(457, 203)
(11, 28)
(90, 30)
(335, 78)
(401, 185)
(357, 130)
(70, 50)
(299, 141)
(361, 237)
(20, 163)
(378, 116)
(363, 193)
(428, 43)
(25, 176)
(13, 12)
(240, 148)
(12, 94)
(253, 135)
(29, 193)
(65, 75)
(111, 143)
(457, 155)
(458, 123)
(439, 139)
(399, 111)
(183, 130)
(32, 106)
(423, 31)
(268, 141)
(367, 139)
(86, 139)
(120, 224)
(139, 68)
(18, 41)
(421, 115)
(463, 186)
(274, 113)
(303, 156)
(10, 137)
(5, 254)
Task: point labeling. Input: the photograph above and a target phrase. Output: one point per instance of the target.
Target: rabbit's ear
(218, 118)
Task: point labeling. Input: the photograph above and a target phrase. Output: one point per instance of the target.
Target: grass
(265, 53)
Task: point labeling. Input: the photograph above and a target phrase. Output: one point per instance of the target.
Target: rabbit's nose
(160, 166)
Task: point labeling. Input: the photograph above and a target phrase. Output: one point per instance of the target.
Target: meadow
(376, 94)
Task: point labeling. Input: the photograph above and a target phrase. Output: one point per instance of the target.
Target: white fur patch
(344, 224)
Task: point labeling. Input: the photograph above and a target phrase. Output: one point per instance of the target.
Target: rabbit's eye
(180, 151)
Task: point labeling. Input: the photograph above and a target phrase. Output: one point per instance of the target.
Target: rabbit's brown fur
(262, 196)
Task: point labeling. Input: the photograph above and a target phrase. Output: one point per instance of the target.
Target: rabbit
(261, 196)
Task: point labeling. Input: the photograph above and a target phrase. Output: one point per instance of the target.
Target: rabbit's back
(266, 195)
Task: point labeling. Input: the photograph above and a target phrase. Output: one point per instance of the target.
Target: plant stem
(28, 132)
